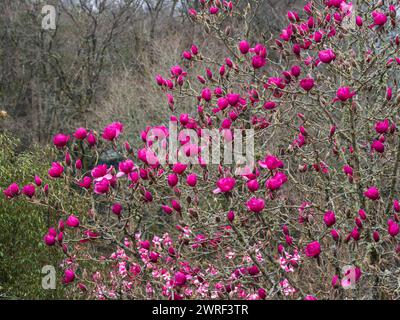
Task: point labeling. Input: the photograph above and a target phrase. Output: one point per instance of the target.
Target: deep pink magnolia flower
(389, 93)
(56, 170)
(154, 256)
(310, 298)
(52, 232)
(372, 193)
(329, 218)
(80, 133)
(49, 240)
(286, 34)
(396, 205)
(348, 170)
(60, 140)
(12, 191)
(382, 127)
(244, 47)
(214, 10)
(91, 139)
(89, 235)
(69, 276)
(313, 249)
(262, 293)
(393, 228)
(335, 234)
(179, 168)
(38, 181)
(102, 186)
(233, 98)
(184, 117)
(293, 16)
(160, 80)
(86, 182)
(179, 279)
(355, 234)
(167, 209)
(376, 236)
(308, 8)
(176, 71)
(125, 167)
(362, 214)
(299, 141)
(335, 281)
(226, 123)
(60, 237)
(172, 180)
(295, 71)
(380, 19)
(258, 62)
(344, 94)
(307, 84)
(273, 184)
(78, 164)
(176, 205)
(222, 103)
(145, 244)
(253, 270)
(206, 94)
(326, 56)
(271, 163)
(317, 38)
(255, 204)
(275, 82)
(29, 190)
(14, 188)
(187, 55)
(112, 131)
(378, 146)
(231, 216)
(276, 181)
(260, 50)
(117, 209)
(334, 3)
(191, 180)
(222, 70)
(68, 159)
(253, 185)
(225, 185)
(192, 12)
(194, 49)
(358, 222)
(270, 105)
(149, 157)
(101, 172)
(134, 178)
(72, 221)
(233, 115)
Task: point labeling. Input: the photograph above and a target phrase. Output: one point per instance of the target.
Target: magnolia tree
(282, 182)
